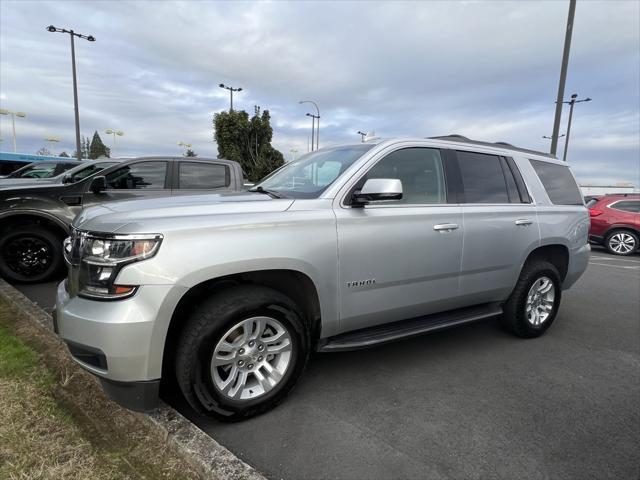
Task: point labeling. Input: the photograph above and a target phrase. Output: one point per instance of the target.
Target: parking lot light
(89, 38)
(312, 131)
(571, 103)
(13, 122)
(119, 133)
(231, 90)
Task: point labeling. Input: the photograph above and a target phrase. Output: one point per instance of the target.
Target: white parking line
(615, 266)
(618, 259)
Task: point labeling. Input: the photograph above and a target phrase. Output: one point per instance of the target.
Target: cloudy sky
(488, 70)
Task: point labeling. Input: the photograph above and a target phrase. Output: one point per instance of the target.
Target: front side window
(632, 206)
(197, 175)
(143, 175)
(558, 182)
(89, 170)
(312, 174)
(421, 172)
(483, 179)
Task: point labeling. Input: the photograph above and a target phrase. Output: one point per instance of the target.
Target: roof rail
(462, 139)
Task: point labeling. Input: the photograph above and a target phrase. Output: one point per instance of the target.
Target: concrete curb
(205, 454)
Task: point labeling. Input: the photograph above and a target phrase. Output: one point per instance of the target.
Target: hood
(11, 182)
(156, 214)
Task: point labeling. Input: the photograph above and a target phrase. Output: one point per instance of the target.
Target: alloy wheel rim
(28, 256)
(622, 243)
(251, 358)
(540, 301)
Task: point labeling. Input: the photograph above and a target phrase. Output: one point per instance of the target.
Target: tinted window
(482, 178)
(149, 175)
(628, 206)
(195, 175)
(558, 182)
(420, 171)
(89, 170)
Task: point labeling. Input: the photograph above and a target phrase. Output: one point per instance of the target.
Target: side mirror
(98, 184)
(67, 179)
(377, 190)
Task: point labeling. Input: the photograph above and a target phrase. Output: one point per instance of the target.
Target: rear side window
(558, 182)
(202, 176)
(483, 180)
(632, 206)
(138, 176)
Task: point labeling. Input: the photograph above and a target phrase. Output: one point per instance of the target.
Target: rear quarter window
(558, 182)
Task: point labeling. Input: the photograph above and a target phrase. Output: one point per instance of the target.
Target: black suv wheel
(30, 254)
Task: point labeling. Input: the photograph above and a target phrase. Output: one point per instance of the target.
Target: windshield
(35, 170)
(311, 174)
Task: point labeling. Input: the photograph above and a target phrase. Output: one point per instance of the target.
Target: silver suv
(348, 247)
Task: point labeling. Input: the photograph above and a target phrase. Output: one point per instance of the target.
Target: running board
(368, 337)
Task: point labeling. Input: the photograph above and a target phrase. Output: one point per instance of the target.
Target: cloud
(488, 70)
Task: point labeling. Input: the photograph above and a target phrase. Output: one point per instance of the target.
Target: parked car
(41, 170)
(344, 248)
(615, 223)
(34, 219)
(77, 172)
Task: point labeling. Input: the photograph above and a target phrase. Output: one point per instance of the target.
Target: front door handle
(447, 227)
(524, 221)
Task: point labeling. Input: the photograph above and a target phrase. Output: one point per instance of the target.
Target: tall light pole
(119, 133)
(90, 38)
(571, 103)
(13, 122)
(293, 152)
(313, 128)
(231, 90)
(318, 117)
(563, 76)
(549, 138)
(51, 141)
(362, 135)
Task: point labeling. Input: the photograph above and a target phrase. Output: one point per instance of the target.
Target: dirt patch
(55, 421)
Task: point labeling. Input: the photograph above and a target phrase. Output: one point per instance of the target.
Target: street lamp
(293, 152)
(551, 138)
(119, 133)
(89, 38)
(231, 90)
(316, 116)
(186, 146)
(362, 135)
(313, 128)
(13, 122)
(571, 103)
(563, 76)
(51, 141)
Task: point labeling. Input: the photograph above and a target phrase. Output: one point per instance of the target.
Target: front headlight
(102, 256)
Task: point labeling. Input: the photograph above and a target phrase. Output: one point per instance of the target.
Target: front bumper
(122, 342)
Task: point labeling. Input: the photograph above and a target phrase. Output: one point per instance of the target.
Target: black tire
(44, 264)
(207, 325)
(610, 236)
(514, 318)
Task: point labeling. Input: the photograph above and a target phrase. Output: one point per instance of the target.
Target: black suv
(35, 219)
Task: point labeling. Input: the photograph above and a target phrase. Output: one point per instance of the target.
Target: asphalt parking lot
(471, 402)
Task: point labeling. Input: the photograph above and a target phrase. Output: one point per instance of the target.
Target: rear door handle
(446, 226)
(524, 221)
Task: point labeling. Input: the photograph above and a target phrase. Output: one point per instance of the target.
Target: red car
(615, 222)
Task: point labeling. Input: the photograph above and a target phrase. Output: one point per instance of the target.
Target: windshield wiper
(271, 193)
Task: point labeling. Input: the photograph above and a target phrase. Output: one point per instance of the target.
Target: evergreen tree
(98, 149)
(247, 141)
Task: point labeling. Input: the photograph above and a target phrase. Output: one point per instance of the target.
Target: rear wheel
(534, 302)
(241, 352)
(622, 242)
(30, 254)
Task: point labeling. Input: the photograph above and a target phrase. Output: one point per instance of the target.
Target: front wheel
(30, 254)
(534, 302)
(241, 352)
